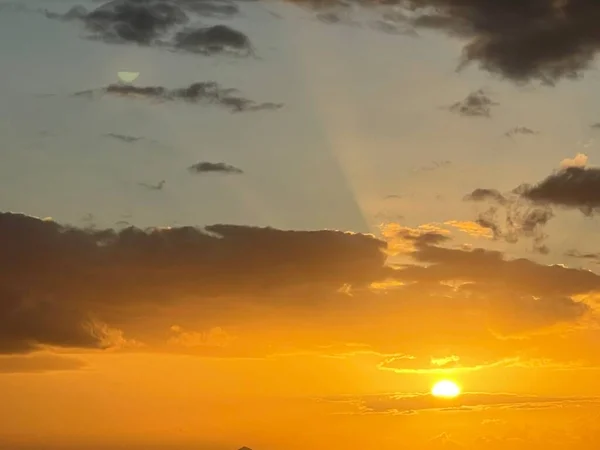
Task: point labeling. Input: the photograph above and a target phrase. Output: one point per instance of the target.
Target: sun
(446, 389)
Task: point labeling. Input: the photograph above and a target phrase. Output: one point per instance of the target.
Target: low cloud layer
(399, 404)
(243, 291)
(207, 92)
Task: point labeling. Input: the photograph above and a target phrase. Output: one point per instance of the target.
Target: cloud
(208, 167)
(29, 321)
(580, 160)
(216, 38)
(395, 404)
(232, 291)
(207, 92)
(509, 217)
(401, 239)
(476, 104)
(119, 21)
(481, 194)
(57, 280)
(148, 22)
(521, 41)
(571, 187)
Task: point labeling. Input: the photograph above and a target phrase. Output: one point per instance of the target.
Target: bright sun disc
(445, 388)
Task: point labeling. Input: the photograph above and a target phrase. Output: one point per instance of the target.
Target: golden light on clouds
(471, 228)
(445, 389)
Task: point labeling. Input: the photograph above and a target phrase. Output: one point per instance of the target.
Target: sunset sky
(366, 199)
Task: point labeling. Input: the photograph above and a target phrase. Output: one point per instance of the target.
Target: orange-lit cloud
(235, 291)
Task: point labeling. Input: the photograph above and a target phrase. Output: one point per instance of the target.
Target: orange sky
(290, 339)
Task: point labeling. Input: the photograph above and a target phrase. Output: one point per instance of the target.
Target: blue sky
(362, 112)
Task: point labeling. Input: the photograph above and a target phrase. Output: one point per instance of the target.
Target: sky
(297, 219)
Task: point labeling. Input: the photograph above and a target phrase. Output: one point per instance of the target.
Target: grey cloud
(492, 269)
(60, 284)
(519, 40)
(63, 283)
(213, 39)
(28, 321)
(207, 92)
(138, 21)
(572, 187)
(476, 104)
(481, 194)
(208, 167)
(146, 22)
(510, 218)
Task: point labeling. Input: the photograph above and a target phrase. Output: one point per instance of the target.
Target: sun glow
(446, 389)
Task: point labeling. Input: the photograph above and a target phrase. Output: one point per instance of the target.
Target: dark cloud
(208, 167)
(481, 194)
(402, 403)
(256, 289)
(491, 268)
(476, 104)
(423, 239)
(510, 218)
(595, 126)
(124, 137)
(213, 39)
(28, 321)
(207, 92)
(146, 22)
(521, 40)
(571, 187)
(56, 281)
(137, 21)
(520, 130)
